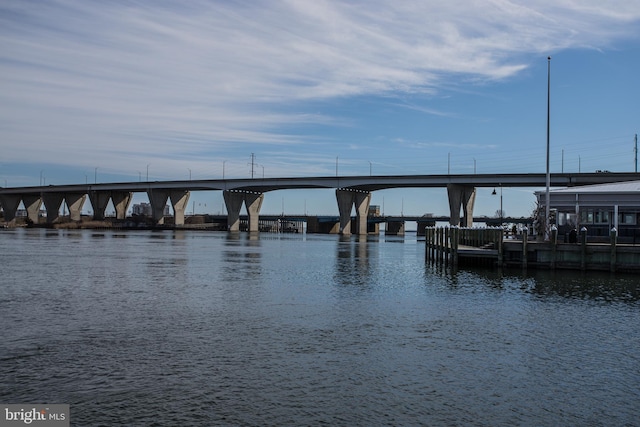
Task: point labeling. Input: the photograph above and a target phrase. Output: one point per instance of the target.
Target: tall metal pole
(547, 207)
(253, 160)
(636, 150)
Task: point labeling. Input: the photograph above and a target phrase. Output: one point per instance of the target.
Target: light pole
(189, 174)
(370, 169)
(95, 175)
(494, 193)
(148, 173)
(547, 207)
(41, 178)
(223, 163)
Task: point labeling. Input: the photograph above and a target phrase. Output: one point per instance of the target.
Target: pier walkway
(455, 246)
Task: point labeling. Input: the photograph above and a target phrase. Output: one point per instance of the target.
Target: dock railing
(454, 246)
(448, 245)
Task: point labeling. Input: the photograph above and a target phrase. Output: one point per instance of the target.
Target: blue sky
(111, 90)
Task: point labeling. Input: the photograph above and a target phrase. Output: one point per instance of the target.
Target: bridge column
(461, 196)
(99, 201)
(121, 201)
(395, 228)
(468, 201)
(75, 203)
(345, 200)
(422, 225)
(179, 200)
(52, 202)
(362, 201)
(158, 201)
(10, 203)
(32, 205)
(233, 200)
(253, 203)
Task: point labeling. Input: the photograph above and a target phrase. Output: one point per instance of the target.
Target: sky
(170, 90)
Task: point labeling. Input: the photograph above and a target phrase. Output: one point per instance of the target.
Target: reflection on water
(241, 258)
(202, 328)
(603, 286)
(352, 261)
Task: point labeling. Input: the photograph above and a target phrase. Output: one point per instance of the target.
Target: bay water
(182, 328)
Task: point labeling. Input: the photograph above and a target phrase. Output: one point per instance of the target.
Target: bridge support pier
(52, 203)
(158, 201)
(345, 204)
(121, 201)
(75, 203)
(253, 203)
(179, 200)
(32, 204)
(395, 228)
(362, 202)
(233, 201)
(10, 205)
(422, 226)
(346, 200)
(461, 196)
(99, 201)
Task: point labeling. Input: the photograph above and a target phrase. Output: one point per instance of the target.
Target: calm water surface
(184, 328)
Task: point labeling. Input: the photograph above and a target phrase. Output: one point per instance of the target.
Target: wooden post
(583, 252)
(500, 253)
(525, 238)
(434, 246)
(614, 241)
(447, 245)
(439, 255)
(432, 243)
(441, 246)
(455, 241)
(444, 245)
(426, 244)
(554, 246)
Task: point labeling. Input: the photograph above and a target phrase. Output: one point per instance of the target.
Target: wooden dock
(456, 246)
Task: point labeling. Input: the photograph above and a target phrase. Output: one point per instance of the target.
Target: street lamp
(148, 173)
(95, 175)
(494, 193)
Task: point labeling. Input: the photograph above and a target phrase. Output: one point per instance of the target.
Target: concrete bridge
(350, 191)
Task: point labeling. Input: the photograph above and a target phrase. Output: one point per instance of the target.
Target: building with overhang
(599, 208)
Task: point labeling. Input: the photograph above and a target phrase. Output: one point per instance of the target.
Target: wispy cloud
(80, 80)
